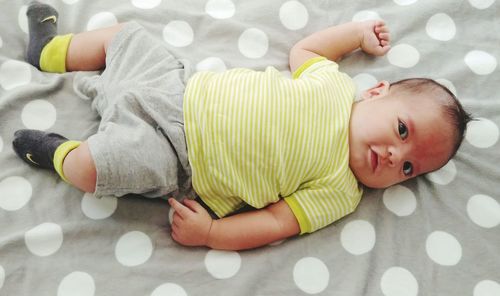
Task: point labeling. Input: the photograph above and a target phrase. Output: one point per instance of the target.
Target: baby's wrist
(210, 235)
(365, 32)
(361, 32)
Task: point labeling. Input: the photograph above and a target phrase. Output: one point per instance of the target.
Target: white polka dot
(398, 281)
(222, 264)
(211, 64)
(363, 82)
(403, 55)
(400, 200)
(2, 276)
(294, 15)
(101, 20)
(481, 4)
(358, 237)
(448, 84)
(169, 289)
(76, 283)
(39, 114)
(311, 275)
(15, 192)
(482, 133)
(69, 2)
(480, 62)
(441, 27)
(220, 9)
(146, 4)
(365, 15)
(44, 239)
(487, 288)
(133, 248)
(253, 43)
(444, 175)
(98, 208)
(404, 2)
(443, 248)
(171, 215)
(22, 19)
(178, 33)
(484, 211)
(14, 73)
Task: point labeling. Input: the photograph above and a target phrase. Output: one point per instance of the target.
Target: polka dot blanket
(438, 234)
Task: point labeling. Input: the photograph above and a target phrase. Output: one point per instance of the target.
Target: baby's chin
(375, 186)
(372, 181)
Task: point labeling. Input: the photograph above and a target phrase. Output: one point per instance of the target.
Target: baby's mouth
(374, 160)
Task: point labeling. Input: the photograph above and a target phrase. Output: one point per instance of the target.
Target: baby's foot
(42, 21)
(37, 148)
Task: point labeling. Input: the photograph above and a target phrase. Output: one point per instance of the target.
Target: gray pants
(140, 146)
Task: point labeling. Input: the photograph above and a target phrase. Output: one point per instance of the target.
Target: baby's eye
(403, 130)
(407, 168)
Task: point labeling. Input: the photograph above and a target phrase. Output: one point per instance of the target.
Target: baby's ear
(381, 89)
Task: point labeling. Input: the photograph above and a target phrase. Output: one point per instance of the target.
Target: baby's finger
(384, 36)
(175, 236)
(175, 228)
(194, 205)
(384, 43)
(385, 49)
(179, 208)
(175, 218)
(381, 29)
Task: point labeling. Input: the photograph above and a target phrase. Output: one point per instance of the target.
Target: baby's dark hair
(452, 108)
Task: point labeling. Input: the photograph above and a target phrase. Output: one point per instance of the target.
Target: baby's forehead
(434, 143)
(433, 131)
(430, 104)
(431, 94)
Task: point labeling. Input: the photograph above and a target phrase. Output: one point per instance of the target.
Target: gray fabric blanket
(435, 235)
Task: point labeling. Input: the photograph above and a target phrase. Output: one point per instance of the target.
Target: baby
(297, 150)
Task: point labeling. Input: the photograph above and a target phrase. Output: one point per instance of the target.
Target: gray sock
(42, 21)
(36, 147)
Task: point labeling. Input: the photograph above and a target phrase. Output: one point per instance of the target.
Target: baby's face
(393, 139)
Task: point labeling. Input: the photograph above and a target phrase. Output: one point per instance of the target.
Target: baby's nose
(385, 158)
(392, 157)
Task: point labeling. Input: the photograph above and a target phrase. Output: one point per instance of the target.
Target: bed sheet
(438, 234)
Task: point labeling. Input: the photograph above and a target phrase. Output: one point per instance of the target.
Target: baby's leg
(70, 159)
(60, 53)
(87, 50)
(79, 168)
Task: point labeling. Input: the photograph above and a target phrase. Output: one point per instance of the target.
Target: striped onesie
(258, 137)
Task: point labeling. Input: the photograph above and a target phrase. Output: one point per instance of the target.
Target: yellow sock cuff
(53, 56)
(61, 153)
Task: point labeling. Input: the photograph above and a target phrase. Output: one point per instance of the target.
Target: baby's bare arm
(193, 226)
(255, 228)
(334, 42)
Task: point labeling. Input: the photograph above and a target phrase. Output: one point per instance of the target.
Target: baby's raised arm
(334, 42)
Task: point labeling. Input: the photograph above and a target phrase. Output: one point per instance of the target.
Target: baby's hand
(191, 223)
(376, 38)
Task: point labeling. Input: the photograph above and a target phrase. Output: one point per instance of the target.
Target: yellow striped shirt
(256, 137)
